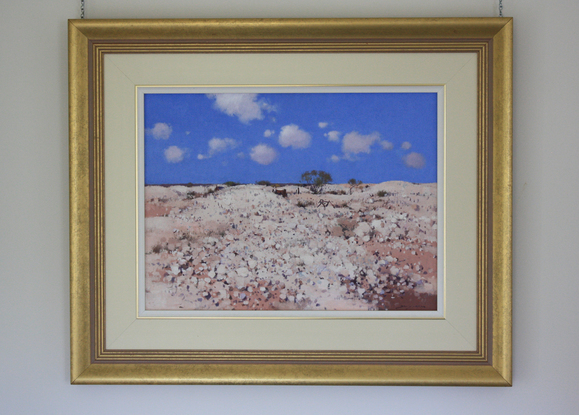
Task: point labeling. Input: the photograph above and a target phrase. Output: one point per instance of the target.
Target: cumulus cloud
(246, 107)
(268, 133)
(333, 135)
(355, 143)
(218, 145)
(263, 154)
(335, 158)
(160, 131)
(322, 124)
(414, 160)
(291, 135)
(174, 154)
(386, 145)
(406, 145)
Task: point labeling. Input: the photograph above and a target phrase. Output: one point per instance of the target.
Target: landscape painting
(291, 201)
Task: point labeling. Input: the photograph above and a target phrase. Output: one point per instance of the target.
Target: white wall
(34, 346)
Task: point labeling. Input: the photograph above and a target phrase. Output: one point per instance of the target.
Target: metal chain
(500, 8)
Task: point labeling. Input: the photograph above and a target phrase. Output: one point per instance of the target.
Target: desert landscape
(268, 247)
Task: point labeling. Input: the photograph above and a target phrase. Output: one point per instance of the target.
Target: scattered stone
(211, 246)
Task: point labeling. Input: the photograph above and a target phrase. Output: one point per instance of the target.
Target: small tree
(316, 180)
(354, 183)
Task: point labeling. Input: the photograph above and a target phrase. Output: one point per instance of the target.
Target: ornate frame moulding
(468, 344)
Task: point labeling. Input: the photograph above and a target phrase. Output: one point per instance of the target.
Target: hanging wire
(82, 9)
(500, 8)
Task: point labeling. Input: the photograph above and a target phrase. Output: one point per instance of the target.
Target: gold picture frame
(420, 50)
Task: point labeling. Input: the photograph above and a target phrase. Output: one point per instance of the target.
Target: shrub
(304, 204)
(158, 248)
(337, 192)
(316, 180)
(354, 183)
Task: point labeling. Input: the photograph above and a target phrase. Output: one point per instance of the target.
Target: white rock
(377, 224)
(308, 259)
(252, 263)
(362, 229)
(242, 272)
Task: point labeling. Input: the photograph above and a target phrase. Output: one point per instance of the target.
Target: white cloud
(263, 154)
(268, 133)
(246, 107)
(218, 145)
(174, 154)
(414, 160)
(291, 135)
(355, 143)
(322, 124)
(406, 145)
(386, 145)
(160, 131)
(335, 158)
(333, 135)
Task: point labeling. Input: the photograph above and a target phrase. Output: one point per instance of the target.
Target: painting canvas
(292, 201)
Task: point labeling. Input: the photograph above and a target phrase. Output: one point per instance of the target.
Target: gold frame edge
(84, 369)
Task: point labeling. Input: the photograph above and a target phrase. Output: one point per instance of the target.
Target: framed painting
(318, 201)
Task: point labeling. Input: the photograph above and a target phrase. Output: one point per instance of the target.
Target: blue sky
(214, 138)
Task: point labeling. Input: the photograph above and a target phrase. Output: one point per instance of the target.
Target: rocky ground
(373, 247)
